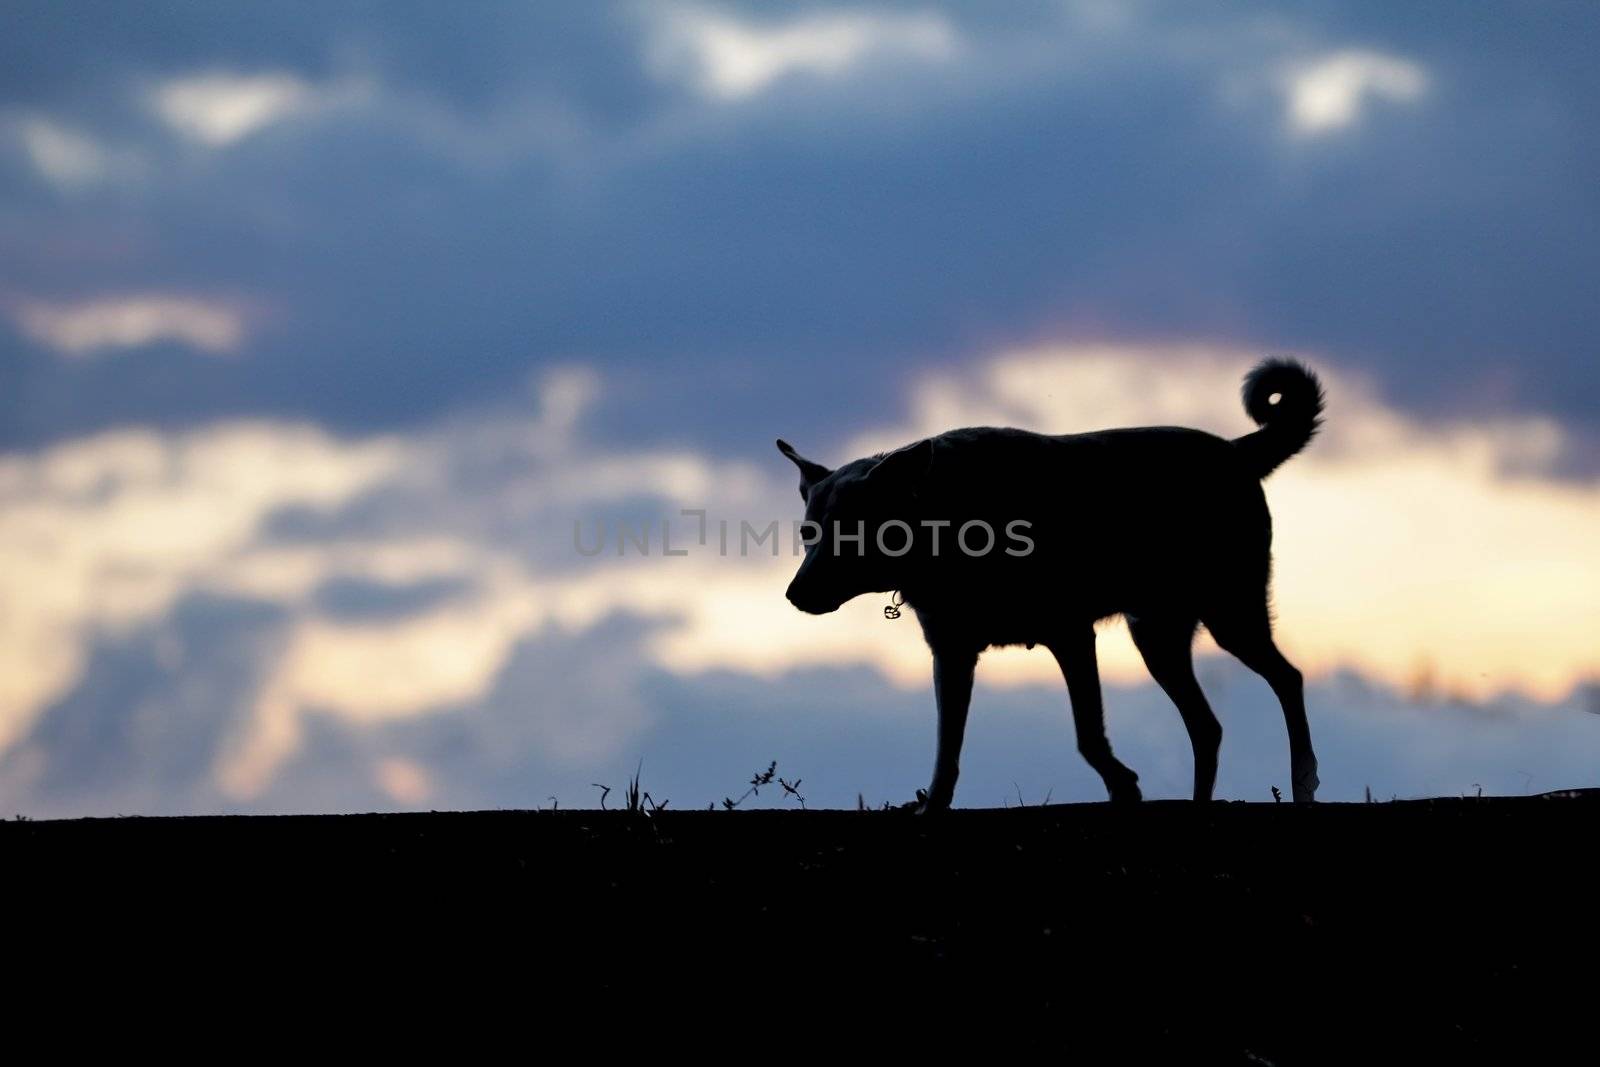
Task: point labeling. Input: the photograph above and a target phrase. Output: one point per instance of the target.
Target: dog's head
(857, 499)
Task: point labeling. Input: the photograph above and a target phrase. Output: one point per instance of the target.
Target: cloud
(1330, 93)
(92, 327)
(729, 58)
(111, 531)
(64, 156)
(71, 157)
(1050, 180)
(1432, 559)
(219, 109)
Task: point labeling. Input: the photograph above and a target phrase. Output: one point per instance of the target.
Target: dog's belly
(1037, 605)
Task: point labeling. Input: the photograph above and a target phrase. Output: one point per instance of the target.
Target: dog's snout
(802, 600)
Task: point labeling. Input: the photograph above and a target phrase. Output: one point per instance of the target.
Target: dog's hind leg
(1074, 651)
(1166, 645)
(1246, 633)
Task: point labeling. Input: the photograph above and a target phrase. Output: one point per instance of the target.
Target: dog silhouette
(1004, 537)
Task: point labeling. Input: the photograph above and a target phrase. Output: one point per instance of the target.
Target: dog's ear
(810, 473)
(903, 470)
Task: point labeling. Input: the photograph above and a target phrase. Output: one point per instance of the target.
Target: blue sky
(321, 324)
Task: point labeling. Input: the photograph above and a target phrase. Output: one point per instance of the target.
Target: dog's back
(1140, 520)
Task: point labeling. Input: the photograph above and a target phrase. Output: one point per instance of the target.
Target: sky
(329, 332)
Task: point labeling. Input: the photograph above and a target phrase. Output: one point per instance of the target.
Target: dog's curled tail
(1285, 398)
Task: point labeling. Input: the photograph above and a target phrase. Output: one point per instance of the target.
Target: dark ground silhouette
(1406, 932)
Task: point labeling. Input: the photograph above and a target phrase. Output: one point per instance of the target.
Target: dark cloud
(520, 190)
(141, 729)
(584, 54)
(356, 599)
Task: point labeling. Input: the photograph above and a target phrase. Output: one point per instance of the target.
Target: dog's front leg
(952, 688)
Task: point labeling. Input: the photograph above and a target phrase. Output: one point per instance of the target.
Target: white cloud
(62, 155)
(91, 327)
(69, 157)
(219, 109)
(728, 58)
(107, 532)
(1329, 93)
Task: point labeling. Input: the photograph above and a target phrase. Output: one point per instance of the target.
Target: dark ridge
(1410, 931)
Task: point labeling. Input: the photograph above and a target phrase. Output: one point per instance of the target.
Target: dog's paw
(1123, 788)
(1305, 784)
(1126, 794)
